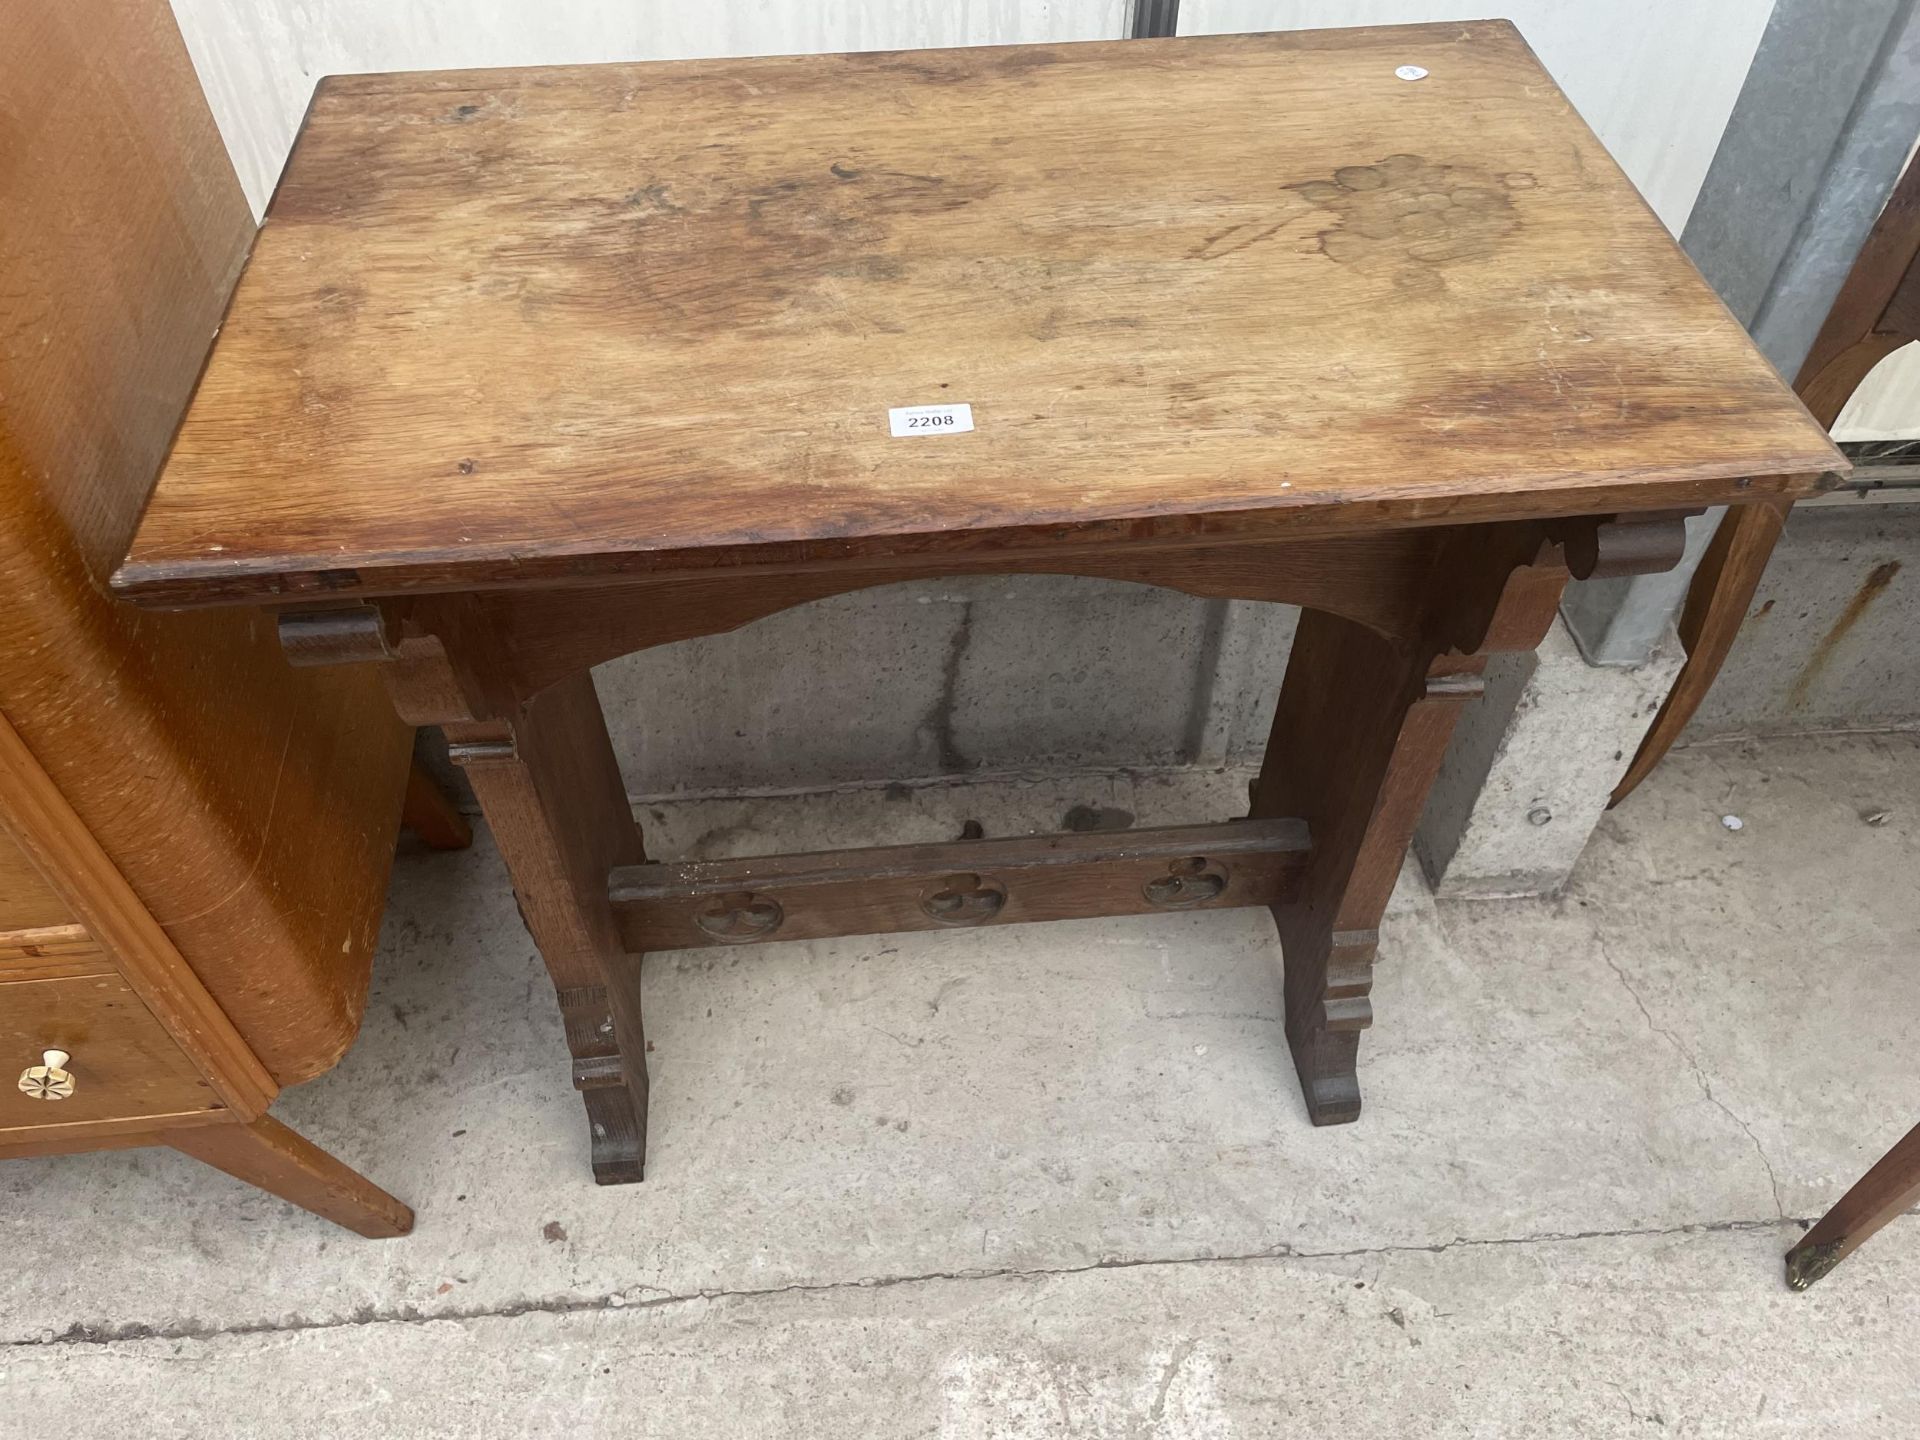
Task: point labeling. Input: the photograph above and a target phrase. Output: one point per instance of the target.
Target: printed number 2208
(930, 419)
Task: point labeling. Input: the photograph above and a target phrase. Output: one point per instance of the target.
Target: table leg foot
(285, 1163)
(617, 1113)
(1357, 738)
(619, 1137)
(1328, 1078)
(1329, 978)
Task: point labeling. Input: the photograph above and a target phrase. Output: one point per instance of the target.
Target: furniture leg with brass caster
(1891, 1186)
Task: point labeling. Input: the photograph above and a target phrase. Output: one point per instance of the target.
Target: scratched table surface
(530, 325)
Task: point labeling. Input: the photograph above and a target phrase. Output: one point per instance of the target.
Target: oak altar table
(533, 368)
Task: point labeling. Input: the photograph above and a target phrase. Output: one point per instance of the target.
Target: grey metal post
(1820, 133)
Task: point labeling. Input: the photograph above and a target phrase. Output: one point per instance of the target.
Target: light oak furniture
(533, 368)
(194, 840)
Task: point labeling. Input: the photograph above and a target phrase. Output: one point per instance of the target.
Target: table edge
(347, 577)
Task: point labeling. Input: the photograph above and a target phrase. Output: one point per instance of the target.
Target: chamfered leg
(551, 791)
(1361, 728)
(1362, 725)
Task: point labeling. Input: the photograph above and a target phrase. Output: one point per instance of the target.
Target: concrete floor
(1057, 1180)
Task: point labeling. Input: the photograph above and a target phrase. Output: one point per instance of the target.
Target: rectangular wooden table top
(510, 326)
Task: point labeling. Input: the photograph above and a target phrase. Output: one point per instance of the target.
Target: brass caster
(1808, 1263)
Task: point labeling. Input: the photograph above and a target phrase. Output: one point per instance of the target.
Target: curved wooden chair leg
(1883, 1192)
(1876, 313)
(1716, 606)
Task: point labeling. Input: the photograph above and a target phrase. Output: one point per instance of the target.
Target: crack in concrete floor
(1693, 1065)
(100, 1335)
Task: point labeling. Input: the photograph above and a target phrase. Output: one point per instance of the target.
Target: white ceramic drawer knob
(49, 1080)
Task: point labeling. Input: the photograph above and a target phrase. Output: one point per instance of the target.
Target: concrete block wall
(1052, 673)
(965, 677)
(1833, 639)
(1526, 781)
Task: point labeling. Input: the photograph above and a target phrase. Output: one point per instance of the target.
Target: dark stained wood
(972, 882)
(1902, 314)
(281, 1161)
(546, 634)
(530, 638)
(429, 812)
(1372, 706)
(1873, 286)
(1361, 728)
(1716, 606)
(1888, 1189)
(1628, 545)
(560, 324)
(535, 368)
(551, 790)
(1872, 316)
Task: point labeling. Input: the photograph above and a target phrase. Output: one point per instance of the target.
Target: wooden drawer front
(125, 1065)
(51, 952)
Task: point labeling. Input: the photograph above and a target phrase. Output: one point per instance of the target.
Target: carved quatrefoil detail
(964, 899)
(739, 917)
(1193, 880)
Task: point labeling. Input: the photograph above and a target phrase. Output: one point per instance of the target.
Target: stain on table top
(509, 326)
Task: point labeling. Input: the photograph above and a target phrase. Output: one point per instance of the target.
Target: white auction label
(930, 419)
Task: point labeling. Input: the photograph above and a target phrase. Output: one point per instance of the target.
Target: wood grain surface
(38, 818)
(566, 323)
(124, 1064)
(250, 808)
(884, 889)
(1876, 313)
(1884, 1192)
(554, 800)
(286, 1163)
(51, 952)
(27, 902)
